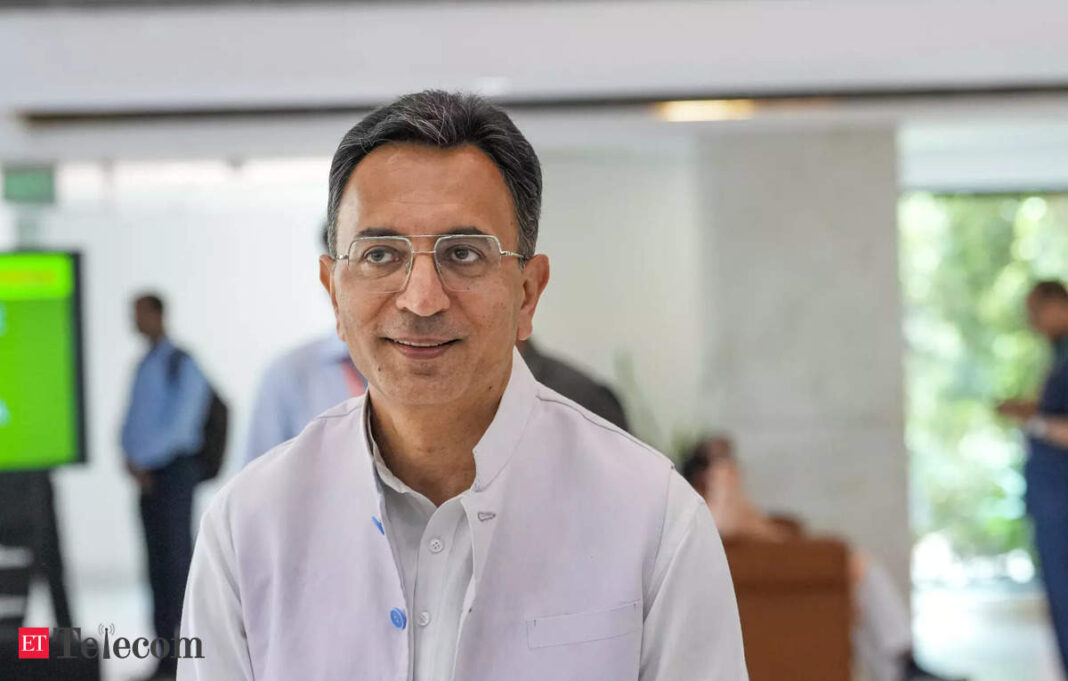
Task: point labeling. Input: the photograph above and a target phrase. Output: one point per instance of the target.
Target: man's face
(719, 448)
(407, 190)
(1042, 315)
(146, 319)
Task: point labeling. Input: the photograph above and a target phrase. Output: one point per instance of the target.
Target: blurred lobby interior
(810, 225)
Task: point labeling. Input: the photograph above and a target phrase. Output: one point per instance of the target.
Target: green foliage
(967, 263)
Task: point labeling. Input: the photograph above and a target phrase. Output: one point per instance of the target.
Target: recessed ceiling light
(691, 110)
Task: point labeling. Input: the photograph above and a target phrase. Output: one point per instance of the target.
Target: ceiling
(958, 79)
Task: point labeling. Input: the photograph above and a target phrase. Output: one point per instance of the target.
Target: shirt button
(396, 615)
(424, 618)
(436, 545)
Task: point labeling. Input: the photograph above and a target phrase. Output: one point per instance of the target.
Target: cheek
(495, 315)
(355, 313)
(1040, 322)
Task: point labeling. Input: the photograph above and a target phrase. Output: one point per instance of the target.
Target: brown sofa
(795, 606)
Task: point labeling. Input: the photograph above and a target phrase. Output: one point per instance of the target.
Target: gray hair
(445, 120)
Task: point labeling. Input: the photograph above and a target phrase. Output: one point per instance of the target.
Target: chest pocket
(581, 627)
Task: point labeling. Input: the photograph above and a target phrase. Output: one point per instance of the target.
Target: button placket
(432, 563)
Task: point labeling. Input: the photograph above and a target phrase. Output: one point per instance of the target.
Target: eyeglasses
(383, 264)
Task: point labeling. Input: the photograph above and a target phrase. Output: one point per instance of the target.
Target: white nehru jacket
(578, 553)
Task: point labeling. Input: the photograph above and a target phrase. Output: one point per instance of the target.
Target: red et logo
(33, 642)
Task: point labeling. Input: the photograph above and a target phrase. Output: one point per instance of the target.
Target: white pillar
(803, 340)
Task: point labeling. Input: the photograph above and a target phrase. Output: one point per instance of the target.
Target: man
(1046, 471)
(459, 521)
(572, 383)
(300, 385)
(162, 432)
(882, 628)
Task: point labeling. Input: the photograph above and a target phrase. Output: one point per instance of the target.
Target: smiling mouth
(423, 344)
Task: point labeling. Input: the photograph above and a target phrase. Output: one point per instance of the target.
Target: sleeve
(127, 437)
(691, 630)
(269, 424)
(1055, 393)
(212, 609)
(190, 409)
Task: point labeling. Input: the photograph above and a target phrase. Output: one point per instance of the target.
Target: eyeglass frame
(432, 252)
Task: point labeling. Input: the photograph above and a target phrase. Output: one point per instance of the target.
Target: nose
(424, 294)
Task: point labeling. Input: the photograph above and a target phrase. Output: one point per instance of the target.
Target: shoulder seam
(603, 426)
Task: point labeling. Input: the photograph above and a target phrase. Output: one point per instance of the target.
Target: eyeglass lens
(382, 264)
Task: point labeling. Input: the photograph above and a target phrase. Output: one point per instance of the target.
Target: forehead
(416, 189)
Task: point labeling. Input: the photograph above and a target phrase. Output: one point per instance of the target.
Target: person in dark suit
(573, 384)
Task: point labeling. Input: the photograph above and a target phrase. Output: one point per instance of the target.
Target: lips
(422, 348)
(422, 343)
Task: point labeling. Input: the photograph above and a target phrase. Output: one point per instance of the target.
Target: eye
(380, 255)
(464, 254)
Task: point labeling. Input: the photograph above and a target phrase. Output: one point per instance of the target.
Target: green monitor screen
(42, 422)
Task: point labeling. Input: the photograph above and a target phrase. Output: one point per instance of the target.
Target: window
(967, 262)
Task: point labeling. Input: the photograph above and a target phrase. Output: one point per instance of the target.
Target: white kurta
(578, 553)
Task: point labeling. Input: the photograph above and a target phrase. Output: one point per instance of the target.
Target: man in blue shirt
(1046, 471)
(162, 432)
(298, 386)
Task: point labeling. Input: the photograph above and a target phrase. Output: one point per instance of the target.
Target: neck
(431, 448)
(154, 338)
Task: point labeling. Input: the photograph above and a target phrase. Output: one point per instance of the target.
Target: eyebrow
(389, 231)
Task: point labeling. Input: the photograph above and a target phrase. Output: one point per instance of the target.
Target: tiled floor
(989, 635)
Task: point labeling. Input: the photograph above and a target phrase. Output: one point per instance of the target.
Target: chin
(410, 388)
(423, 396)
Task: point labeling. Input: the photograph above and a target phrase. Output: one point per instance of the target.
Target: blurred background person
(882, 631)
(1045, 424)
(298, 386)
(161, 435)
(573, 383)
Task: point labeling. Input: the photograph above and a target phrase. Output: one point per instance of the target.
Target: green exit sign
(29, 184)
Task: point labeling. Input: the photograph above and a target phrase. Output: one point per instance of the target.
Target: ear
(535, 277)
(326, 276)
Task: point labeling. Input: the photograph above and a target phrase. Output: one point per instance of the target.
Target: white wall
(985, 156)
(234, 252)
(621, 232)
